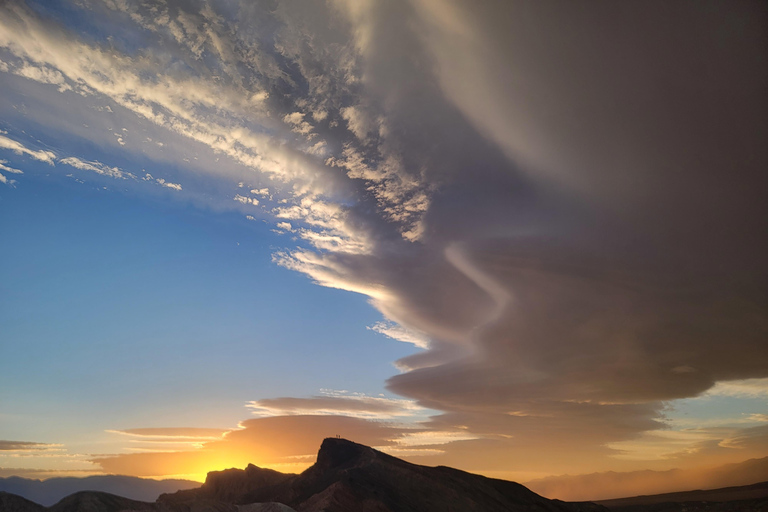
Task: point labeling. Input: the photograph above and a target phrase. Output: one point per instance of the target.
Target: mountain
(242, 486)
(610, 485)
(13, 503)
(93, 501)
(349, 477)
(50, 491)
(737, 499)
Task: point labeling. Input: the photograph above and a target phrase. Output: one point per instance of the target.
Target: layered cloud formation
(562, 204)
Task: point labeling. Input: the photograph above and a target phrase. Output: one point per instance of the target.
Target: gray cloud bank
(567, 200)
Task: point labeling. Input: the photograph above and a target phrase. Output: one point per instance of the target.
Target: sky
(523, 239)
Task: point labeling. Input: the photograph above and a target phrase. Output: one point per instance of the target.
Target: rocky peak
(234, 485)
(337, 453)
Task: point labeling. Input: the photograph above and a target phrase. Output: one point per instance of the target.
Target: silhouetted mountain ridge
(349, 477)
(50, 491)
(614, 485)
(743, 498)
(14, 503)
(94, 501)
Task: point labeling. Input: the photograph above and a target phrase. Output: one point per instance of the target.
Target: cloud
(296, 119)
(168, 184)
(173, 433)
(18, 148)
(246, 200)
(97, 167)
(26, 446)
(4, 167)
(337, 403)
(43, 74)
(397, 332)
(196, 106)
(42, 474)
(754, 388)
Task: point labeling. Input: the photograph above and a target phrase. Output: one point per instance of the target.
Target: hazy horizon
(520, 239)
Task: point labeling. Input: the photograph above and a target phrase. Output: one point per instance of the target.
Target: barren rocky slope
(349, 477)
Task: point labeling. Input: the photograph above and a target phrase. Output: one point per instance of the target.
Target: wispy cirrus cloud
(20, 149)
(27, 446)
(72, 161)
(4, 167)
(400, 333)
(338, 403)
(97, 167)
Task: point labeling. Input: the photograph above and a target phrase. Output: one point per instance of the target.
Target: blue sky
(523, 240)
(139, 312)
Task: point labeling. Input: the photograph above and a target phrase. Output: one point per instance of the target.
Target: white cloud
(246, 200)
(400, 333)
(299, 125)
(18, 148)
(168, 184)
(44, 75)
(4, 167)
(285, 226)
(97, 167)
(746, 388)
(358, 122)
(333, 241)
(338, 403)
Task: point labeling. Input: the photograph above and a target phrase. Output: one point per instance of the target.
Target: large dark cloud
(595, 238)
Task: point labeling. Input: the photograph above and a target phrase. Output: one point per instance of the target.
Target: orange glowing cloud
(284, 443)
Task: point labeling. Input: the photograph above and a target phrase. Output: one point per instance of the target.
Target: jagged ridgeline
(350, 477)
(347, 477)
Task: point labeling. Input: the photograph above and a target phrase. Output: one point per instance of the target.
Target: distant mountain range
(744, 498)
(349, 477)
(50, 491)
(618, 485)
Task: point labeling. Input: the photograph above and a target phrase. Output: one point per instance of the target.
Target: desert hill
(50, 491)
(614, 485)
(13, 503)
(746, 498)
